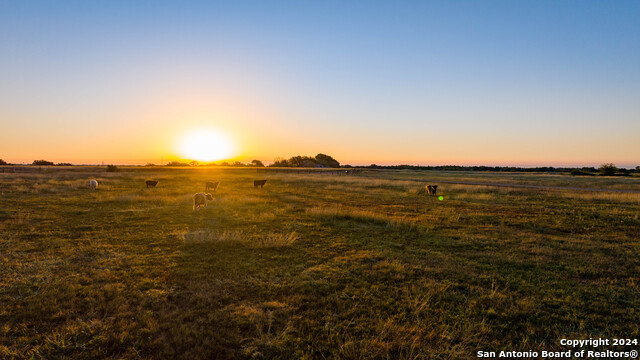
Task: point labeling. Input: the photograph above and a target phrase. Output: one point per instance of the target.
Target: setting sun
(205, 145)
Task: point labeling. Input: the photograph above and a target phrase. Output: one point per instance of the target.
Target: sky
(518, 83)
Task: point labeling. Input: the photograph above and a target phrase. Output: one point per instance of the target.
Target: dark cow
(151, 183)
(431, 189)
(260, 183)
(211, 185)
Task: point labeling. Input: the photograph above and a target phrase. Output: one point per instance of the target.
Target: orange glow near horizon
(205, 144)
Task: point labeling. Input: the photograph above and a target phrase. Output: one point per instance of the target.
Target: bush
(257, 163)
(176, 163)
(327, 161)
(42, 163)
(321, 160)
(112, 168)
(608, 169)
(578, 172)
(150, 164)
(280, 162)
(2, 162)
(64, 164)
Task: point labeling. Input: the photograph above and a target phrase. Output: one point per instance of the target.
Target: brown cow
(260, 183)
(200, 200)
(151, 183)
(431, 189)
(211, 185)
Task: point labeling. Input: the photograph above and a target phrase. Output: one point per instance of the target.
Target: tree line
(327, 161)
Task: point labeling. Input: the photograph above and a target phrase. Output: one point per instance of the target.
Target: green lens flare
(440, 197)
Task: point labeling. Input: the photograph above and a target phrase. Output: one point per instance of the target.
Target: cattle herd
(200, 199)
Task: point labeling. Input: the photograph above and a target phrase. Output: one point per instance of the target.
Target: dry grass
(339, 212)
(269, 240)
(603, 196)
(212, 237)
(311, 266)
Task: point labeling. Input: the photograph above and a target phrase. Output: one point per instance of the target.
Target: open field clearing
(534, 179)
(312, 266)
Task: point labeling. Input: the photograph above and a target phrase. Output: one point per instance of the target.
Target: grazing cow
(211, 185)
(151, 183)
(93, 184)
(200, 200)
(260, 183)
(431, 189)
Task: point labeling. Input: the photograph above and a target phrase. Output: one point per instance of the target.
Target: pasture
(311, 266)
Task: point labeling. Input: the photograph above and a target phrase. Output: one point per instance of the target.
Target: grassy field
(311, 266)
(542, 179)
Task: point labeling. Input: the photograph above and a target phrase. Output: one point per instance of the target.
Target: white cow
(93, 184)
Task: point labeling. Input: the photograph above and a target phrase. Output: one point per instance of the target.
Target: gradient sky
(519, 83)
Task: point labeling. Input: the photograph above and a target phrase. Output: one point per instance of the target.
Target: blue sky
(493, 82)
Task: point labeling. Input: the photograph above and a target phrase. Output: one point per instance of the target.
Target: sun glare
(205, 145)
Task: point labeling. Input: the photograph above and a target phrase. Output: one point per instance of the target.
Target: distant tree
(150, 164)
(177, 163)
(257, 163)
(295, 161)
(224, 163)
(327, 161)
(310, 163)
(42, 162)
(580, 172)
(638, 169)
(280, 162)
(112, 168)
(238, 163)
(302, 161)
(64, 164)
(608, 169)
(321, 160)
(2, 162)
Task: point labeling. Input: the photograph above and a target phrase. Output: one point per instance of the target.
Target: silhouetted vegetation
(257, 163)
(608, 169)
(2, 162)
(542, 169)
(320, 161)
(582, 172)
(150, 164)
(42, 163)
(64, 164)
(112, 168)
(176, 163)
